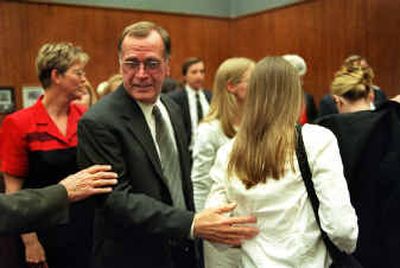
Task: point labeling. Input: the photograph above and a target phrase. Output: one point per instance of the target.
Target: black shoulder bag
(339, 258)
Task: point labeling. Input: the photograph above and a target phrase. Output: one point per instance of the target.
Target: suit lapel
(137, 125)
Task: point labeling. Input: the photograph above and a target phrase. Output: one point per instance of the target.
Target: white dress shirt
(191, 93)
(289, 234)
(210, 137)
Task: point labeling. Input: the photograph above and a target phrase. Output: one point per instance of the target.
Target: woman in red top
(39, 149)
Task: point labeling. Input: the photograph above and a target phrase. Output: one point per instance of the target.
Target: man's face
(143, 66)
(195, 76)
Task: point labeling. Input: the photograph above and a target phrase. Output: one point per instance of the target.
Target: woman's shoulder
(317, 137)
(212, 127)
(316, 131)
(21, 117)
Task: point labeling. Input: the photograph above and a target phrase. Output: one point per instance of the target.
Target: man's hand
(211, 225)
(96, 179)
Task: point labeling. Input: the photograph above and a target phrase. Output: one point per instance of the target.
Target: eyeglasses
(79, 72)
(150, 66)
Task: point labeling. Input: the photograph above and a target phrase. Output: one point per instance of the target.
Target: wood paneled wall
(24, 27)
(324, 32)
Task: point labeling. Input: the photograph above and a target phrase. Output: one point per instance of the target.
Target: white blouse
(289, 235)
(210, 137)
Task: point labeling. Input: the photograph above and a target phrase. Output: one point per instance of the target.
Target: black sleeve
(33, 209)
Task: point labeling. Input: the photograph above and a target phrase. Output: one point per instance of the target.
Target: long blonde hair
(223, 105)
(266, 139)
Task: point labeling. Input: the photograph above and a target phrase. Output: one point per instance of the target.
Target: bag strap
(302, 159)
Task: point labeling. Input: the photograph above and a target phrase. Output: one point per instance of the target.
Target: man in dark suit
(34, 209)
(148, 219)
(193, 99)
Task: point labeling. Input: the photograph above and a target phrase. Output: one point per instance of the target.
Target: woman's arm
(337, 215)
(204, 152)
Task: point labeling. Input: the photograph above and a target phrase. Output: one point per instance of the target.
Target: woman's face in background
(73, 81)
(240, 89)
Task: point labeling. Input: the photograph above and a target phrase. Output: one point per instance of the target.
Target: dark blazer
(181, 98)
(136, 225)
(370, 148)
(33, 209)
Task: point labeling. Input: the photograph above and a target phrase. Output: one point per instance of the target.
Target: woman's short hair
(297, 62)
(58, 56)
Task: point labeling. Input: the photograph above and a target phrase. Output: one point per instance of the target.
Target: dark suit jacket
(369, 143)
(181, 98)
(33, 209)
(136, 225)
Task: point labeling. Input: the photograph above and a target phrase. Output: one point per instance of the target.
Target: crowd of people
(190, 177)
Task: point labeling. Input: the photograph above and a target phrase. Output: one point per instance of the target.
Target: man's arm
(33, 209)
(97, 144)
(137, 210)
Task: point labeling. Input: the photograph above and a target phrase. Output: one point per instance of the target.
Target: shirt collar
(192, 91)
(42, 117)
(147, 108)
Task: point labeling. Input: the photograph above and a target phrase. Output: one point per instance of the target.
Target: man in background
(193, 100)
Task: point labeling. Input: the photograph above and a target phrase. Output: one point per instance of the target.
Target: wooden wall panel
(383, 42)
(25, 27)
(322, 32)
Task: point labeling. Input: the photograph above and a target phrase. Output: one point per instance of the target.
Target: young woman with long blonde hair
(218, 127)
(258, 171)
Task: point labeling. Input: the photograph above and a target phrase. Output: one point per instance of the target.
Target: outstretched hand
(96, 179)
(212, 225)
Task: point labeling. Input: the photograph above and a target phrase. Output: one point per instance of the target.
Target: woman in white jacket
(218, 127)
(258, 170)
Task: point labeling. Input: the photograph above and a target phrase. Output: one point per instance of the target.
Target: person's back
(259, 172)
(289, 235)
(370, 151)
